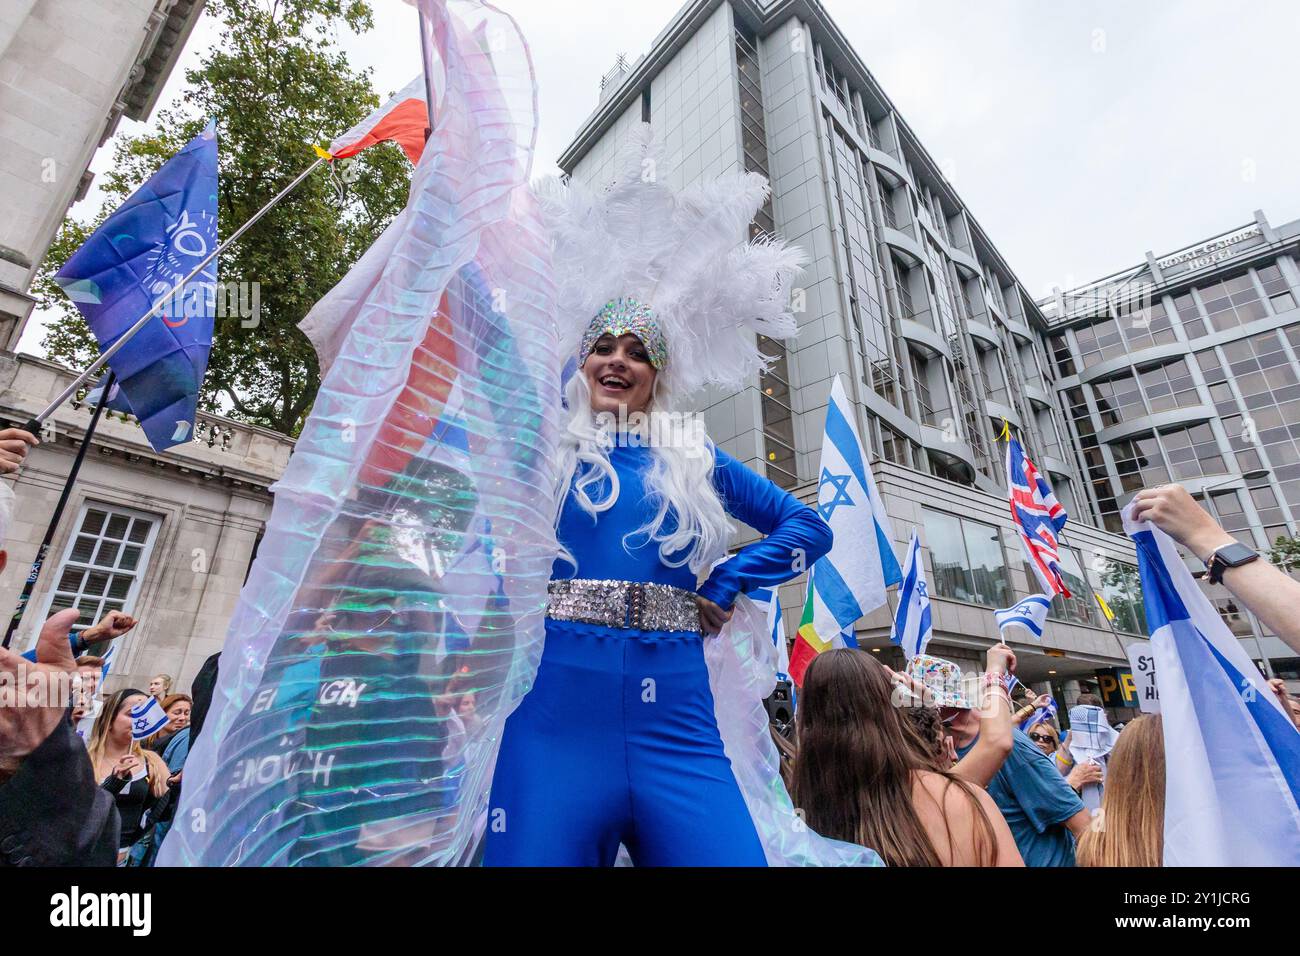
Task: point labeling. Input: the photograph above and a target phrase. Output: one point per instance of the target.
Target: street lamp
(1251, 475)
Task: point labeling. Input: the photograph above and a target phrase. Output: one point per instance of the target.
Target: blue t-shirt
(1036, 801)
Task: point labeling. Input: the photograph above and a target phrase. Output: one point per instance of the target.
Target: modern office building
(908, 300)
(1186, 367)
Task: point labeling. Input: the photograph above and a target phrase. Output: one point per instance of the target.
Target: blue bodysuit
(617, 741)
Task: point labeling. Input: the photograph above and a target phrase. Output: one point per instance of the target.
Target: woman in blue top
(617, 741)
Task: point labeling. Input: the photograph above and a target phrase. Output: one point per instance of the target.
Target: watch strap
(1219, 562)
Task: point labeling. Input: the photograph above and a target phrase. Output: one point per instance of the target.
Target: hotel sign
(1208, 253)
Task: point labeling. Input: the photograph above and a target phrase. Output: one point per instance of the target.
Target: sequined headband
(625, 316)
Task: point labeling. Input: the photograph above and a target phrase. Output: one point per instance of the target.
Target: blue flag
(133, 260)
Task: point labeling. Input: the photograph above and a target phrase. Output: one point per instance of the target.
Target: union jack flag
(1039, 518)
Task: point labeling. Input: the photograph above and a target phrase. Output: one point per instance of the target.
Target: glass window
(1099, 342)
(1121, 588)
(1139, 462)
(894, 447)
(1078, 607)
(1169, 386)
(104, 562)
(1118, 399)
(966, 558)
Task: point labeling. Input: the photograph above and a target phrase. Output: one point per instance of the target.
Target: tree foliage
(1285, 553)
(275, 82)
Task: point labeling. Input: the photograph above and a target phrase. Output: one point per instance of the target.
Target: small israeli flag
(1030, 613)
(912, 625)
(147, 719)
(769, 599)
(1038, 716)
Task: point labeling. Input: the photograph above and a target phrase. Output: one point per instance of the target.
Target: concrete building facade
(167, 537)
(69, 71)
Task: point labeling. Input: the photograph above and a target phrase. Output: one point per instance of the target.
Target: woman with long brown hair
(860, 775)
(1129, 830)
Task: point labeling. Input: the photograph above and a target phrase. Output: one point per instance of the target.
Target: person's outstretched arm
(985, 759)
(1273, 596)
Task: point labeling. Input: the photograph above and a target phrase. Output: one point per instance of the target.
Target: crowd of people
(926, 766)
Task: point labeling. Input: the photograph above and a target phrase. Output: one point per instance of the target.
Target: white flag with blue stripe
(147, 719)
(850, 581)
(912, 626)
(1232, 768)
(1029, 613)
(769, 598)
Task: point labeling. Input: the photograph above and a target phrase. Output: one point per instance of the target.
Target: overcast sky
(1079, 134)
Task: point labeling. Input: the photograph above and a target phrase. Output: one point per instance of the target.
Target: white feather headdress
(683, 253)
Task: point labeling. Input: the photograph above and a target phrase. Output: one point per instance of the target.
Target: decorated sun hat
(941, 679)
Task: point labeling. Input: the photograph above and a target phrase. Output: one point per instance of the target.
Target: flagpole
(1123, 651)
(41, 552)
(34, 425)
(426, 56)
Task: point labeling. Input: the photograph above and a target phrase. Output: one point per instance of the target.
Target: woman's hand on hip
(712, 616)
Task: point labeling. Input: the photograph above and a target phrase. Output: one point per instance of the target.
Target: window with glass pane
(104, 562)
(1227, 507)
(1145, 325)
(1121, 588)
(1275, 288)
(1169, 386)
(1118, 399)
(778, 424)
(1060, 349)
(920, 373)
(967, 560)
(1233, 616)
(1139, 463)
(1078, 607)
(894, 447)
(1189, 315)
(1192, 452)
(1232, 302)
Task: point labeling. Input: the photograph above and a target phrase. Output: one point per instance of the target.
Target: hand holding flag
(1232, 793)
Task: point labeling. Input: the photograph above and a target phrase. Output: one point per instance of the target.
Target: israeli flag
(1030, 613)
(1038, 716)
(769, 598)
(1232, 777)
(147, 719)
(912, 627)
(850, 581)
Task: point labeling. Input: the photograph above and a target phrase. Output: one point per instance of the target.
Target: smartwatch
(1229, 556)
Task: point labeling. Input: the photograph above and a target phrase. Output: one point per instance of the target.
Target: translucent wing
(742, 673)
(393, 617)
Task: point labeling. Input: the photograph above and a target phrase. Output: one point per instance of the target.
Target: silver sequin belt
(633, 604)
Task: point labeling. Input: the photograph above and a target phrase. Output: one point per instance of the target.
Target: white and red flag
(404, 119)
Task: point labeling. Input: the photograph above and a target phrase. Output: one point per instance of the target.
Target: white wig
(712, 293)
